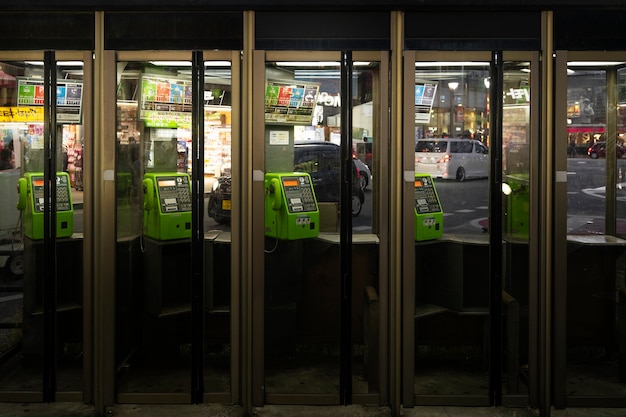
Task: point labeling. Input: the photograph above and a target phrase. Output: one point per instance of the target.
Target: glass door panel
(367, 137)
(452, 140)
(302, 182)
(218, 172)
(595, 257)
(517, 140)
(153, 352)
(31, 294)
(306, 157)
(155, 151)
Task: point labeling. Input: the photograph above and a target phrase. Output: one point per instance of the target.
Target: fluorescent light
(217, 63)
(171, 63)
(71, 63)
(64, 63)
(319, 63)
(594, 63)
(451, 64)
(188, 63)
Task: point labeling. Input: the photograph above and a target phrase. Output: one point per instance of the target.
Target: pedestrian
(5, 159)
(571, 148)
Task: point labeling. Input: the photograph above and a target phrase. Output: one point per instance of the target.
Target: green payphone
(517, 205)
(428, 212)
(291, 210)
(167, 205)
(31, 201)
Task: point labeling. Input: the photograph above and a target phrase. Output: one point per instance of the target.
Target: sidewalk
(218, 410)
(77, 201)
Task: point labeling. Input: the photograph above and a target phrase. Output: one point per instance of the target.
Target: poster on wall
(290, 102)
(69, 96)
(424, 98)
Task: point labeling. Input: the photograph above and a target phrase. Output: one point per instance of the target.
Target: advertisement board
(69, 99)
(290, 103)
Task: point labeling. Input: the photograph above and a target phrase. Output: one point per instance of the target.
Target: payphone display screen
(299, 194)
(426, 200)
(174, 194)
(63, 193)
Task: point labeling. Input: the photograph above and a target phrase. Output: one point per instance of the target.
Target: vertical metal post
(612, 109)
(345, 379)
(495, 232)
(197, 228)
(49, 222)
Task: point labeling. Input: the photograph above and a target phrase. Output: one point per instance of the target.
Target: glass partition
(595, 226)
(518, 140)
(452, 141)
(154, 227)
(42, 271)
(304, 159)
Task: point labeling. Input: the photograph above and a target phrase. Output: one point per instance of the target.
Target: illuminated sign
(69, 97)
(290, 102)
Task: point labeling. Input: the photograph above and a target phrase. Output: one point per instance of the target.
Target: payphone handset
(291, 210)
(31, 200)
(428, 211)
(167, 205)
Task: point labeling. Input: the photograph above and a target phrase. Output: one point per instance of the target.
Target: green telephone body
(517, 205)
(167, 205)
(31, 202)
(291, 210)
(428, 211)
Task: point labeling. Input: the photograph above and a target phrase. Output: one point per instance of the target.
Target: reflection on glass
(302, 275)
(153, 305)
(217, 173)
(595, 261)
(154, 165)
(586, 141)
(22, 144)
(452, 150)
(516, 145)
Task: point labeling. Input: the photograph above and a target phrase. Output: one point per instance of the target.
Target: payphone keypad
(299, 194)
(174, 193)
(426, 200)
(62, 192)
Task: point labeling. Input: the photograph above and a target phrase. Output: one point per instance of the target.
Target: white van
(452, 158)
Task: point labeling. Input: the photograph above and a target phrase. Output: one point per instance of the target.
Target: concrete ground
(204, 410)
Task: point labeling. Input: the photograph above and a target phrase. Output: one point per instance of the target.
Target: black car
(320, 159)
(219, 200)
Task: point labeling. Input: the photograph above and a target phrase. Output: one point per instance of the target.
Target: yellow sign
(21, 114)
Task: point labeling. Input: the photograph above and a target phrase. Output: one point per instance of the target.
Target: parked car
(364, 172)
(320, 159)
(598, 150)
(448, 158)
(219, 200)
